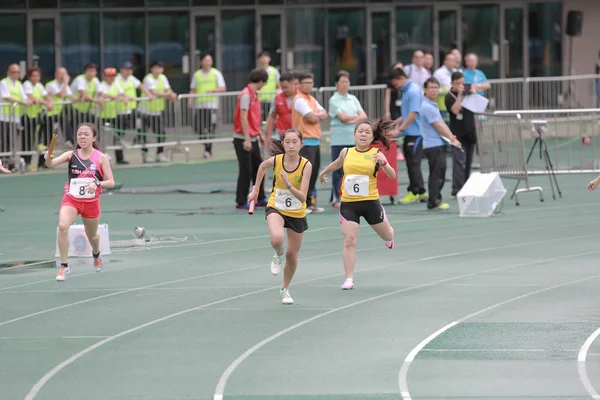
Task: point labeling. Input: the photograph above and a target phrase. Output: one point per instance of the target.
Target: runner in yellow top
(360, 197)
(287, 205)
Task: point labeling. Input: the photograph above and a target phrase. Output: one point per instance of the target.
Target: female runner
(286, 208)
(360, 197)
(89, 173)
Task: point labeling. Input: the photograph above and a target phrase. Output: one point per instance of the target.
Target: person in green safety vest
(113, 95)
(153, 111)
(11, 91)
(126, 112)
(86, 95)
(206, 80)
(267, 93)
(56, 119)
(34, 120)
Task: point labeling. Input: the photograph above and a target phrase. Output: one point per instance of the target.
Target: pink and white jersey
(82, 172)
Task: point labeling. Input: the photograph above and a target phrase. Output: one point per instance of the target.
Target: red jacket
(254, 114)
(284, 113)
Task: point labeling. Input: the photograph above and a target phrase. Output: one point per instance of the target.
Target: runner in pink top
(89, 172)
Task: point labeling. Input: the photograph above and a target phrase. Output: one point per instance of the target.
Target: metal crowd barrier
(502, 150)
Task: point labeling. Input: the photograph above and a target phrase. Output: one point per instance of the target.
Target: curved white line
(581, 366)
(38, 386)
(403, 374)
(220, 389)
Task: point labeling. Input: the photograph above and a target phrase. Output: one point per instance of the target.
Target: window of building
(545, 39)
(306, 38)
(206, 3)
(13, 40)
(414, 31)
(43, 3)
(124, 41)
(168, 3)
(480, 36)
(347, 47)
(80, 36)
(122, 3)
(79, 3)
(238, 47)
(168, 39)
(12, 4)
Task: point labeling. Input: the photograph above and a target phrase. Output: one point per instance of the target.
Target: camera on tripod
(539, 126)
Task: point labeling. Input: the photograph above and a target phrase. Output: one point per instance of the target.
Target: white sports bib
(78, 188)
(285, 200)
(357, 185)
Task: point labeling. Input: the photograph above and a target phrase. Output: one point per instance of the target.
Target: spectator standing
(269, 89)
(345, 111)
(280, 114)
(34, 115)
(416, 71)
(432, 129)
(61, 92)
(474, 76)
(444, 77)
(410, 130)
(246, 126)
(307, 115)
(11, 91)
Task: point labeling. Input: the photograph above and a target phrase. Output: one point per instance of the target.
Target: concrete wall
(586, 46)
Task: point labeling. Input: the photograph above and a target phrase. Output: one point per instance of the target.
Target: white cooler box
(480, 195)
(79, 246)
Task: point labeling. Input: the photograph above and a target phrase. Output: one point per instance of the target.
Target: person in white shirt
(11, 91)
(60, 92)
(459, 61)
(444, 76)
(153, 111)
(34, 121)
(416, 71)
(113, 96)
(86, 94)
(206, 80)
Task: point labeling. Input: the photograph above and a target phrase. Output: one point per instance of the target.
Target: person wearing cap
(126, 118)
(112, 94)
(206, 80)
(86, 90)
(154, 110)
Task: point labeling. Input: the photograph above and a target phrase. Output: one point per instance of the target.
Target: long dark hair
(94, 133)
(276, 146)
(380, 130)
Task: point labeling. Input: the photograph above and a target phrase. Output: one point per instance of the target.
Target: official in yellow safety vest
(153, 111)
(268, 91)
(34, 120)
(11, 93)
(126, 112)
(57, 119)
(206, 80)
(86, 95)
(112, 95)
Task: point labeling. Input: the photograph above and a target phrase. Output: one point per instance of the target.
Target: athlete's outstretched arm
(303, 192)
(53, 162)
(334, 166)
(109, 179)
(268, 163)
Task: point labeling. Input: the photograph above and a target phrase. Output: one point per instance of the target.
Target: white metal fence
(200, 119)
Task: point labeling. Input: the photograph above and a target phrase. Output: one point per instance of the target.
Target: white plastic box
(79, 246)
(480, 195)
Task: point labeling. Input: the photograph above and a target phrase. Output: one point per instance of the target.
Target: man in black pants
(462, 125)
(433, 128)
(412, 97)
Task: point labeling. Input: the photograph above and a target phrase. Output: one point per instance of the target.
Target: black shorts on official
(371, 210)
(298, 225)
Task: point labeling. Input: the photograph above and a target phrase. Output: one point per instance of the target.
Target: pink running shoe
(389, 245)
(348, 284)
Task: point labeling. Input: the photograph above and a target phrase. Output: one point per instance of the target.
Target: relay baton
(251, 209)
(51, 147)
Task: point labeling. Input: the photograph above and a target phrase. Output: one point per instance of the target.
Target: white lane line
(496, 350)
(220, 389)
(51, 338)
(39, 384)
(27, 265)
(581, 366)
(262, 266)
(403, 374)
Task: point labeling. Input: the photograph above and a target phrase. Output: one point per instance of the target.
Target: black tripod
(541, 142)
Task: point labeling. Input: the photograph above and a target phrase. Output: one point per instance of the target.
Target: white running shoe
(285, 296)
(62, 274)
(276, 264)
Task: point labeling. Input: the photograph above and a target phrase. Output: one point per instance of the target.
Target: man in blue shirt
(433, 128)
(410, 129)
(474, 76)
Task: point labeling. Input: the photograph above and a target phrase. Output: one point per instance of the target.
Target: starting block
(480, 195)
(79, 246)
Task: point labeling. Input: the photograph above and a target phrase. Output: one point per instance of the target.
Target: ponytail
(381, 131)
(276, 146)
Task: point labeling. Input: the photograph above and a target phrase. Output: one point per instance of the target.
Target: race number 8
(81, 190)
(288, 202)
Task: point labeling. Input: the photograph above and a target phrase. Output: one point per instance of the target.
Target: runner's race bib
(285, 200)
(357, 185)
(78, 188)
